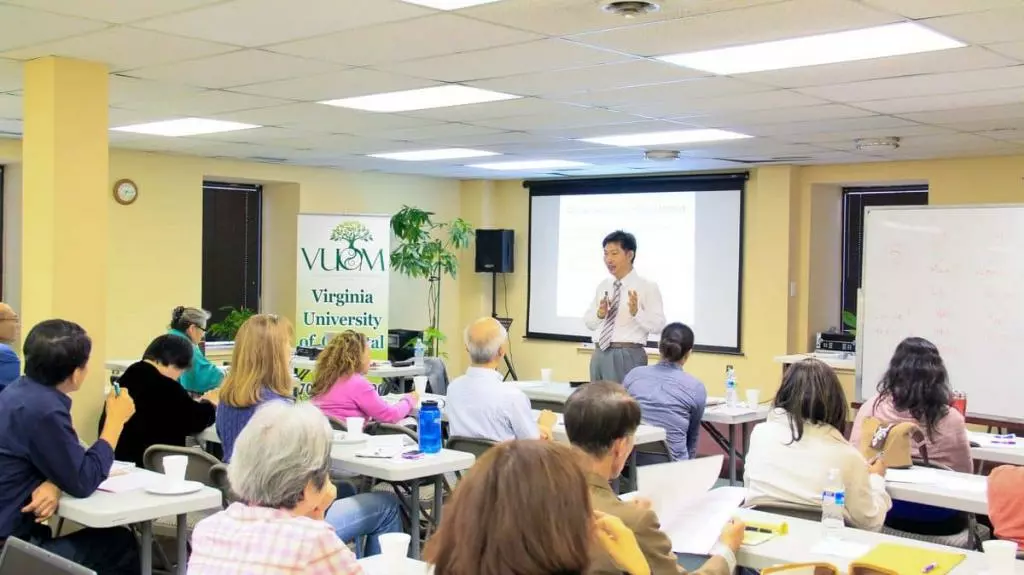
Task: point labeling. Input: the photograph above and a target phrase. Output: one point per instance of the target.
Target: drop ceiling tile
(552, 54)
(568, 118)
(122, 117)
(550, 147)
(930, 84)
(974, 114)
(565, 17)
(967, 58)
(334, 85)
(851, 135)
(256, 23)
(675, 108)
(1013, 133)
(205, 103)
(945, 101)
(688, 89)
(448, 130)
(755, 148)
(123, 48)
(1000, 25)
(10, 75)
(317, 117)
(604, 77)
(125, 90)
(839, 125)
(115, 11)
(935, 142)
(774, 21)
(491, 110)
(778, 115)
(613, 130)
(10, 107)
(427, 37)
(485, 140)
(20, 27)
(989, 128)
(234, 69)
(930, 8)
(1012, 49)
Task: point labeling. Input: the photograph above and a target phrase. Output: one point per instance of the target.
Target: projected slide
(688, 243)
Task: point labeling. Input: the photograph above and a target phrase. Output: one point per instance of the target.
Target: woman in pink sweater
(340, 387)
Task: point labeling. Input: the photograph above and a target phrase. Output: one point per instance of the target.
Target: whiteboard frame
(862, 300)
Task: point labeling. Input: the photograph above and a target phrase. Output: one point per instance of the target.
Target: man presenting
(625, 309)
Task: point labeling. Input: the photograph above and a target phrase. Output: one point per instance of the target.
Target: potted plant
(227, 328)
(427, 249)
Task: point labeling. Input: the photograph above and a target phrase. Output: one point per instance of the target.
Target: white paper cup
(395, 548)
(355, 426)
(753, 398)
(420, 383)
(175, 467)
(1001, 556)
(545, 374)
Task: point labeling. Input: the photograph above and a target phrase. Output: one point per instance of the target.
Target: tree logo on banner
(352, 257)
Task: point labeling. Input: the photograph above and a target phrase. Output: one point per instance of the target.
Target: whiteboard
(953, 275)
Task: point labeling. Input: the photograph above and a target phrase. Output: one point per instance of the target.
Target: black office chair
(20, 557)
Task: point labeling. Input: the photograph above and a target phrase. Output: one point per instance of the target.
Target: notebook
(909, 560)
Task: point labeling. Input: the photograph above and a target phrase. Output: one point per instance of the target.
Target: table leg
(732, 455)
(182, 528)
(147, 548)
(414, 519)
(438, 500)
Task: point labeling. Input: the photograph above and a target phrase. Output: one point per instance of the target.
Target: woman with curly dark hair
(916, 389)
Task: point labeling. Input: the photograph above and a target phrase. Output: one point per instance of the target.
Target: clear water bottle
(430, 427)
(833, 501)
(731, 396)
(419, 351)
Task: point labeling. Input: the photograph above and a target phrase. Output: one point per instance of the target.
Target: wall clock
(125, 192)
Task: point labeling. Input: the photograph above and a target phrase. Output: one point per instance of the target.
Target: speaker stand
(506, 322)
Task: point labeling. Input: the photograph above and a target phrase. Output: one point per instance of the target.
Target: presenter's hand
(634, 303)
(602, 309)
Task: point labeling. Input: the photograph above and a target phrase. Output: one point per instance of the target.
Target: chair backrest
(474, 445)
(437, 374)
(199, 461)
(808, 514)
(802, 569)
(219, 479)
(337, 424)
(555, 406)
(20, 558)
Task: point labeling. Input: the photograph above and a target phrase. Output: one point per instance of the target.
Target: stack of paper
(138, 479)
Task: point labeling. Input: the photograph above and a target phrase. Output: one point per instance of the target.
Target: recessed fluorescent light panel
(185, 127)
(428, 155)
(422, 99)
(531, 165)
(671, 137)
(849, 46)
(449, 4)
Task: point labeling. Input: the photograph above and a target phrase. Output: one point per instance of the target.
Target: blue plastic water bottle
(430, 427)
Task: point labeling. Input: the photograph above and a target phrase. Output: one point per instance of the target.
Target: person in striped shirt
(280, 472)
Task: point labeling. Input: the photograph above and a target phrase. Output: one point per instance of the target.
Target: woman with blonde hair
(525, 509)
(260, 372)
(340, 387)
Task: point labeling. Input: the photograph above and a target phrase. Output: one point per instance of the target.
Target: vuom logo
(349, 258)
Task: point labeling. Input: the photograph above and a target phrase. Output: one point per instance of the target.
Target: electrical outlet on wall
(792, 289)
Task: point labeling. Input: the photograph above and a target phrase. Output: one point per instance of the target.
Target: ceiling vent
(661, 155)
(629, 8)
(877, 144)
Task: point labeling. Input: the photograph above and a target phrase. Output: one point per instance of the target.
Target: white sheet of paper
(738, 410)
(139, 479)
(840, 548)
(697, 528)
(921, 475)
(964, 485)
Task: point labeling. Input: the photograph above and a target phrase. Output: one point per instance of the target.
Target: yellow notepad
(909, 560)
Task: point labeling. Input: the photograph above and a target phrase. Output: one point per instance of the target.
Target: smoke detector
(661, 155)
(877, 144)
(629, 8)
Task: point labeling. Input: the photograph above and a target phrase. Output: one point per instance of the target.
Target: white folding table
(949, 489)
(996, 453)
(102, 510)
(732, 417)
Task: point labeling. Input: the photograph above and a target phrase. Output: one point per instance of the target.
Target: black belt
(623, 345)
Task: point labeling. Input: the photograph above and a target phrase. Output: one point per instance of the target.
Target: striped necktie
(609, 319)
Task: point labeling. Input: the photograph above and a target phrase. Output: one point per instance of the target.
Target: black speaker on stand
(495, 255)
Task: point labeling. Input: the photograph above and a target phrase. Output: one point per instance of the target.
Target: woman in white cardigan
(791, 453)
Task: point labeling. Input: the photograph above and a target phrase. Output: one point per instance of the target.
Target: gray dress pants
(614, 363)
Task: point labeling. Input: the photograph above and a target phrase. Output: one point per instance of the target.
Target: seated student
(10, 364)
(480, 404)
(669, 397)
(164, 411)
(190, 323)
(261, 375)
(524, 508)
(1005, 504)
(281, 473)
(792, 453)
(915, 388)
(340, 388)
(40, 455)
(601, 419)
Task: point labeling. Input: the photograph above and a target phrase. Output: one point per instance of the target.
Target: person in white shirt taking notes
(625, 310)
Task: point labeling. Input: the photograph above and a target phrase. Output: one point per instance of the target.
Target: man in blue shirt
(40, 455)
(10, 364)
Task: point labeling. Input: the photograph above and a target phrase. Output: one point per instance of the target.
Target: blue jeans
(364, 514)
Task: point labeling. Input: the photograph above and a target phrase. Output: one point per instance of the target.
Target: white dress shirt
(778, 471)
(649, 318)
(479, 404)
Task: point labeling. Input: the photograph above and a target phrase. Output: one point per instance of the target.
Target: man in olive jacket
(601, 420)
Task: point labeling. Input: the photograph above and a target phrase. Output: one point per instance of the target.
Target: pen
(758, 529)
(117, 389)
(929, 567)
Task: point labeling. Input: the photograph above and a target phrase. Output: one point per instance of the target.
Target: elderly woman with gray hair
(280, 471)
(190, 323)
